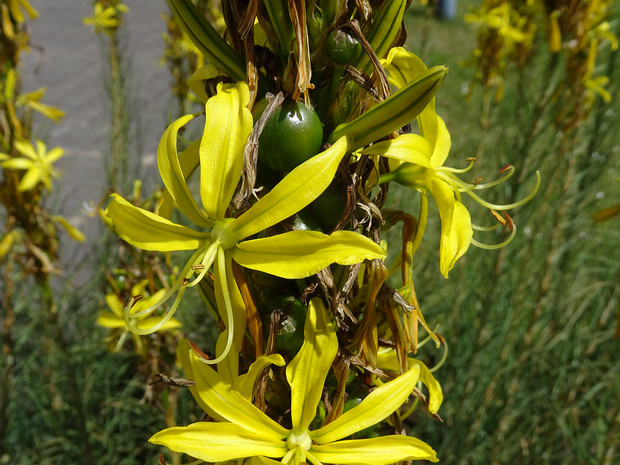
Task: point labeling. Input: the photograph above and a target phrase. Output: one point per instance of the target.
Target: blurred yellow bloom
(106, 19)
(33, 100)
(115, 319)
(16, 6)
(37, 162)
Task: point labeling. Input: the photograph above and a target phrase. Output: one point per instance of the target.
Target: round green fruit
(292, 135)
(342, 47)
(290, 332)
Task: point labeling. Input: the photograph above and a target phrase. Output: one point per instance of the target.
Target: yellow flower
(419, 164)
(106, 19)
(220, 238)
(37, 162)
(115, 320)
(243, 431)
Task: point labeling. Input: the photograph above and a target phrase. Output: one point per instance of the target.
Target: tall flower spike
(221, 239)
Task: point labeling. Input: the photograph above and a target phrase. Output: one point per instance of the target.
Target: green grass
(533, 374)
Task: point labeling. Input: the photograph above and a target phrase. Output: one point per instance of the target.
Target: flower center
(223, 234)
(301, 440)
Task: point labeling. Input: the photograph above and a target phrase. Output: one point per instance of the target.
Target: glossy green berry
(292, 135)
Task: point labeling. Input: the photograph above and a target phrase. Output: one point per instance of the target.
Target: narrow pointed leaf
(306, 373)
(393, 113)
(297, 190)
(148, 231)
(376, 451)
(207, 39)
(386, 26)
(228, 123)
(374, 408)
(298, 254)
(218, 442)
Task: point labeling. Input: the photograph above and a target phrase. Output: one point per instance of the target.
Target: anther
(511, 224)
(505, 168)
(498, 217)
(133, 301)
(470, 159)
(199, 352)
(477, 181)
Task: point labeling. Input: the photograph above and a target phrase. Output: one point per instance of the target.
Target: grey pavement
(67, 58)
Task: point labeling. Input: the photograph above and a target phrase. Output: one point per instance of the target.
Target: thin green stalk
(49, 306)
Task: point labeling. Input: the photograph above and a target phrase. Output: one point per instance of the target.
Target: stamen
(493, 206)
(130, 318)
(476, 227)
(498, 217)
(506, 168)
(481, 245)
(458, 170)
(221, 280)
(511, 224)
(510, 169)
(205, 264)
(199, 352)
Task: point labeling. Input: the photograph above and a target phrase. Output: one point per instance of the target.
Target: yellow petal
(410, 148)
(218, 442)
(297, 190)
(74, 232)
(230, 404)
(376, 451)
(246, 383)
(377, 406)
(148, 231)
(388, 360)
(298, 254)
(441, 144)
(196, 82)
(306, 373)
(110, 320)
(228, 123)
(455, 242)
(173, 177)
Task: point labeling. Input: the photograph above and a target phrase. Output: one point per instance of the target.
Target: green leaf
(306, 373)
(386, 24)
(228, 123)
(173, 177)
(376, 451)
(392, 113)
(148, 231)
(207, 39)
(297, 190)
(218, 442)
(298, 254)
(374, 408)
